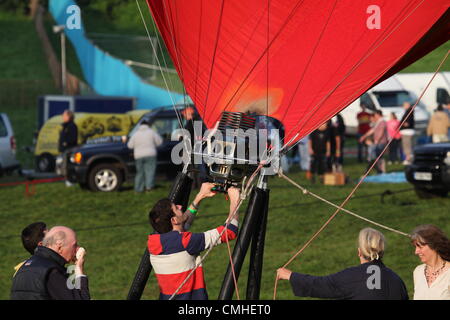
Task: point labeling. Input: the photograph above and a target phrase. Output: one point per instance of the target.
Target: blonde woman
(371, 280)
(432, 278)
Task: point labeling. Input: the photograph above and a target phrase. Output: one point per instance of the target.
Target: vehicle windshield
(136, 126)
(164, 125)
(392, 98)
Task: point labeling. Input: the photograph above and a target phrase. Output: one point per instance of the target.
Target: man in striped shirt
(174, 252)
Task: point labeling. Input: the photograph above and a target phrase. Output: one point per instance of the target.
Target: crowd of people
(174, 255)
(323, 150)
(174, 250)
(372, 280)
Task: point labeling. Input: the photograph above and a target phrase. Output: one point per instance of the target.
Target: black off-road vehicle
(430, 170)
(105, 163)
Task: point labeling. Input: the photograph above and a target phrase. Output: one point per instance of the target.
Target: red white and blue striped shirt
(174, 255)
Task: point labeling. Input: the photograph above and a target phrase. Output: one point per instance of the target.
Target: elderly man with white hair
(44, 275)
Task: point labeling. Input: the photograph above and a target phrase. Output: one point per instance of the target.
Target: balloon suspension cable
(177, 57)
(340, 208)
(230, 257)
(244, 195)
(307, 192)
(180, 122)
(155, 52)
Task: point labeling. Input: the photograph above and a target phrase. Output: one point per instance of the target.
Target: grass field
(113, 228)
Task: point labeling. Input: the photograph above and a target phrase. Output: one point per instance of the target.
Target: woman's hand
(284, 274)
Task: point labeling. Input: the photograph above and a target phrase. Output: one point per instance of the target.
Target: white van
(417, 82)
(8, 160)
(388, 96)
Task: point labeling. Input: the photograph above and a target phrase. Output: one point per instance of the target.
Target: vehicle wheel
(428, 194)
(105, 178)
(45, 163)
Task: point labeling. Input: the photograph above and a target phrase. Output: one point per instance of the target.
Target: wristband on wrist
(193, 211)
(194, 205)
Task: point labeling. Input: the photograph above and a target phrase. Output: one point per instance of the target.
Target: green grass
(113, 229)
(430, 62)
(20, 49)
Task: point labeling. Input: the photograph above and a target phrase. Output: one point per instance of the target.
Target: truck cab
(104, 164)
(90, 126)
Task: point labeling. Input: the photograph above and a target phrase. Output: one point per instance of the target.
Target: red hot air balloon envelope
(300, 62)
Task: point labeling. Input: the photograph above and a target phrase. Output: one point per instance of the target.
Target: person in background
(371, 155)
(336, 126)
(44, 275)
(363, 118)
(407, 132)
(394, 148)
(380, 139)
(334, 140)
(305, 159)
(371, 280)
(144, 143)
(438, 125)
(32, 236)
(196, 129)
(319, 150)
(432, 277)
(68, 136)
(68, 139)
(447, 111)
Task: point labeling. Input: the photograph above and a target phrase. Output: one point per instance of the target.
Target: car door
(7, 154)
(165, 126)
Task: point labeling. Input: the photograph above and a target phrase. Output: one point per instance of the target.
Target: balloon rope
(305, 191)
(159, 64)
(360, 182)
(177, 56)
(230, 256)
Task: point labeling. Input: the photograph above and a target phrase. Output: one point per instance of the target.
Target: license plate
(423, 176)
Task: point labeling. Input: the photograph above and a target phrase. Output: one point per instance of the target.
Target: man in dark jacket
(32, 237)
(45, 277)
(68, 139)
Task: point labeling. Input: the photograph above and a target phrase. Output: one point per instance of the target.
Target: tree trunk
(34, 4)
